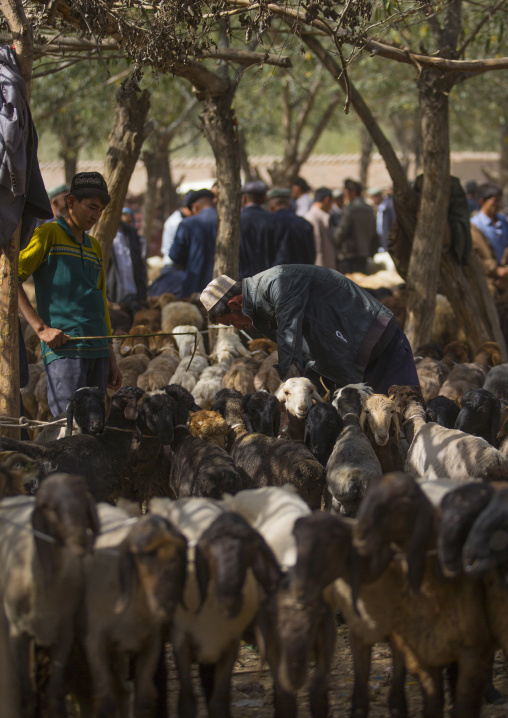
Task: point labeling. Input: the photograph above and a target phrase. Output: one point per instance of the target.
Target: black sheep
(442, 411)
(322, 428)
(261, 413)
(480, 415)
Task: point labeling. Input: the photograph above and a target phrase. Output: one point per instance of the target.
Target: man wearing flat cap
(294, 235)
(194, 247)
(324, 324)
(258, 246)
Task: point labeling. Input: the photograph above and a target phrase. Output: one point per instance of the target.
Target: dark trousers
(395, 365)
(67, 375)
(354, 264)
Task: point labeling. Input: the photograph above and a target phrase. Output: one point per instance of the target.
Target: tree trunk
(366, 150)
(70, 165)
(22, 40)
(9, 355)
(169, 195)
(125, 143)
(452, 277)
(503, 159)
(219, 127)
(431, 224)
(152, 162)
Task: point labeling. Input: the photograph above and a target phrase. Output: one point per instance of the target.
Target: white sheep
(186, 336)
(209, 383)
(41, 578)
(133, 582)
(159, 371)
(272, 511)
(228, 347)
(176, 314)
(188, 376)
(208, 627)
(296, 396)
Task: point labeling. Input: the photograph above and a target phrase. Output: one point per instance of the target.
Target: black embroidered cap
(92, 182)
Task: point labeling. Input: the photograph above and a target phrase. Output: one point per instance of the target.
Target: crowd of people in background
(341, 229)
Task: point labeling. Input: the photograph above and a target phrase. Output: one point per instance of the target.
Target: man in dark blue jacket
(194, 247)
(258, 245)
(323, 324)
(293, 234)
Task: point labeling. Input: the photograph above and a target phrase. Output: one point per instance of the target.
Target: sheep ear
(126, 569)
(495, 427)
(93, 516)
(265, 567)
(202, 574)
(70, 417)
(396, 426)
(420, 539)
(357, 567)
(315, 394)
(281, 396)
(42, 546)
(363, 419)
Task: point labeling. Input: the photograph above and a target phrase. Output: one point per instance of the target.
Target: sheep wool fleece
(320, 320)
(70, 289)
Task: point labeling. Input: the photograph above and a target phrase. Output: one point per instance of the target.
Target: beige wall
(320, 170)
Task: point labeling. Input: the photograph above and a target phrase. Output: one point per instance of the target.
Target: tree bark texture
(154, 161)
(70, 165)
(22, 40)
(125, 143)
(219, 128)
(365, 155)
(423, 271)
(9, 354)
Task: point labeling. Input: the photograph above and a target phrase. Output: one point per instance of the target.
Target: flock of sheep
(212, 503)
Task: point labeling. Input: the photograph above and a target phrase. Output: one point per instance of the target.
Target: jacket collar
(63, 224)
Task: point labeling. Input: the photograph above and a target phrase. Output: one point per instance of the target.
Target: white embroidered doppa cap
(216, 290)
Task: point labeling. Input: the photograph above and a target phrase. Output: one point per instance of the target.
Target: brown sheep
(150, 318)
(471, 375)
(12, 480)
(241, 375)
(210, 426)
(130, 344)
(380, 422)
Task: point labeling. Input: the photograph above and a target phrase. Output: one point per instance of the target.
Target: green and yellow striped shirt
(70, 289)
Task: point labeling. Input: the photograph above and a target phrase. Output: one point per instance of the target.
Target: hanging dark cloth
(22, 192)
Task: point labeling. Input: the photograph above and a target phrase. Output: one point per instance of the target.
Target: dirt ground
(252, 693)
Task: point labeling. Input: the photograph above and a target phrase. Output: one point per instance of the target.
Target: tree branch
(469, 39)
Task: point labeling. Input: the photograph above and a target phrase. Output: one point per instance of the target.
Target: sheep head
(155, 555)
(156, 415)
(486, 547)
(396, 513)
(297, 395)
(459, 510)
(65, 511)
(87, 408)
(225, 551)
(379, 413)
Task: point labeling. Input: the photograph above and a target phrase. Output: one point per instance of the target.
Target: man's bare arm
(53, 337)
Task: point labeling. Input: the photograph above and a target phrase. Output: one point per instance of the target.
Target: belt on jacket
(377, 338)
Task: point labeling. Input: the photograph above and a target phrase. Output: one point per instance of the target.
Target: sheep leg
(107, 684)
(219, 705)
(145, 696)
(20, 646)
(361, 660)
(397, 704)
(160, 680)
(8, 680)
(431, 683)
(324, 653)
(473, 675)
(187, 706)
(207, 677)
(56, 684)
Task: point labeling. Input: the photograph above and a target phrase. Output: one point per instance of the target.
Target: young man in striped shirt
(70, 290)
